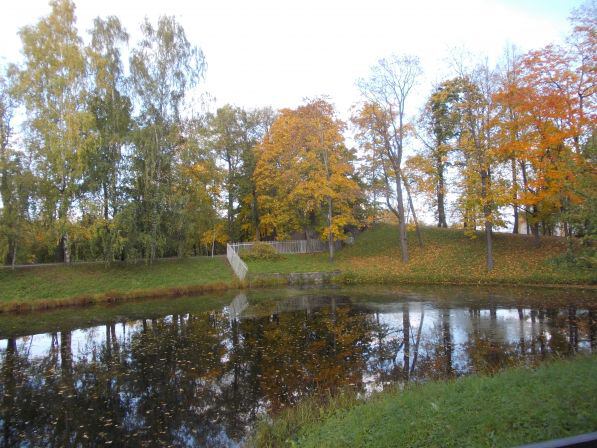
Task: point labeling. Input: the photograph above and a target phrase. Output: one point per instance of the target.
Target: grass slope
(38, 286)
(513, 407)
(447, 256)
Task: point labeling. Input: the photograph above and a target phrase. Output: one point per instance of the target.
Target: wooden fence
(235, 250)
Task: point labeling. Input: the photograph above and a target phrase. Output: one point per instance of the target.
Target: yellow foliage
(302, 166)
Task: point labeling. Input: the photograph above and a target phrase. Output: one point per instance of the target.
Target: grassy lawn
(514, 407)
(293, 263)
(37, 285)
(448, 256)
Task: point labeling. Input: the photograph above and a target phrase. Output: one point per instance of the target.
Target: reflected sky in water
(202, 377)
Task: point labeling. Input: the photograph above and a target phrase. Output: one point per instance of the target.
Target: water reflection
(202, 378)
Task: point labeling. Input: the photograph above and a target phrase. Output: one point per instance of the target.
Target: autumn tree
(373, 135)
(510, 130)
(481, 197)
(387, 89)
(197, 193)
(302, 175)
(256, 123)
(550, 101)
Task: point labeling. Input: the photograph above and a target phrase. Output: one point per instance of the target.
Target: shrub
(262, 251)
(585, 258)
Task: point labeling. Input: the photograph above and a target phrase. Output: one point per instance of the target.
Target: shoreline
(260, 281)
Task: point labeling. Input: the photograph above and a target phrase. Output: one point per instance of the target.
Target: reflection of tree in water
(203, 379)
(302, 353)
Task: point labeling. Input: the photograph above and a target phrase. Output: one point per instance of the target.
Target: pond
(200, 371)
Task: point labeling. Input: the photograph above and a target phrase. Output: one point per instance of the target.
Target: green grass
(447, 256)
(514, 407)
(293, 263)
(37, 286)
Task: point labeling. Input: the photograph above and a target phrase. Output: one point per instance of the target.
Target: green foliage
(51, 85)
(585, 258)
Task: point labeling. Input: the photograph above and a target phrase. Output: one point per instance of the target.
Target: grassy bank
(447, 256)
(51, 286)
(514, 407)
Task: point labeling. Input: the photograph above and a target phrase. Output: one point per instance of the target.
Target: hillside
(447, 256)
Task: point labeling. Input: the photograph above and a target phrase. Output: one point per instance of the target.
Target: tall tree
(164, 66)
(52, 85)
(15, 183)
(510, 129)
(256, 124)
(553, 111)
(388, 88)
(111, 110)
(477, 142)
(303, 173)
(438, 130)
(197, 193)
(234, 133)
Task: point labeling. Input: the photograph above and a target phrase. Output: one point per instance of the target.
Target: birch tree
(53, 86)
(389, 86)
(164, 66)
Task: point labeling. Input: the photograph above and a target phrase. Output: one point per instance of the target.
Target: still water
(200, 371)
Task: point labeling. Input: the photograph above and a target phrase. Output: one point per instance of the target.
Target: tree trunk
(535, 230)
(488, 225)
(63, 253)
(412, 209)
(401, 220)
(106, 204)
(14, 254)
(441, 206)
(406, 333)
(514, 196)
(255, 214)
(9, 258)
(230, 205)
(330, 233)
(213, 242)
(441, 209)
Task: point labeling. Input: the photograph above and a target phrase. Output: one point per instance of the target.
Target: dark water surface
(200, 371)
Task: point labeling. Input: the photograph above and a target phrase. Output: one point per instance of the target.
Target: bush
(585, 258)
(262, 251)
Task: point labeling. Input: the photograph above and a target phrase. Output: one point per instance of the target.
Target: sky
(276, 52)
